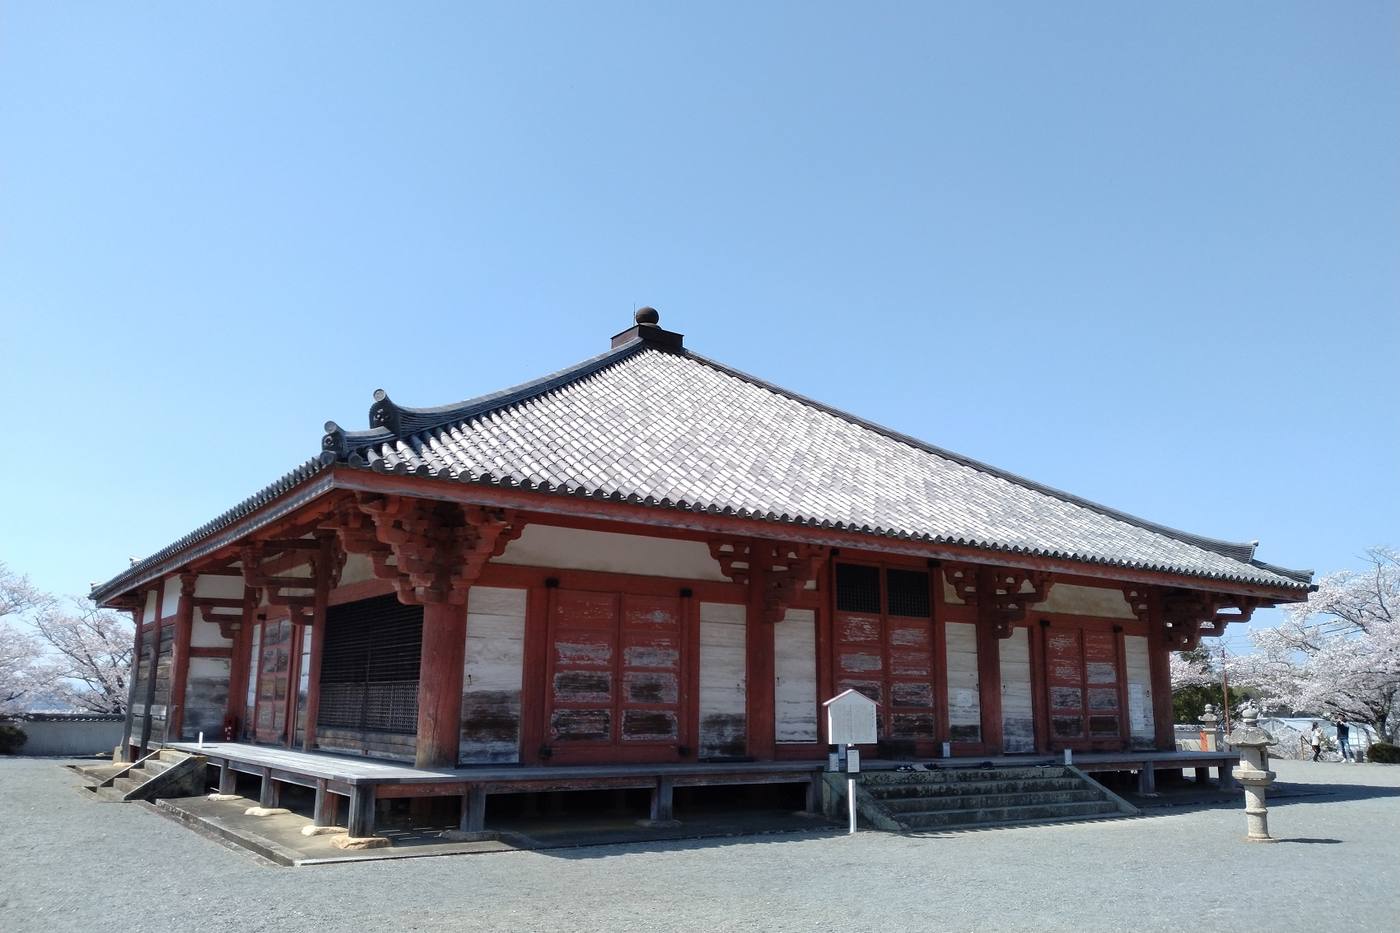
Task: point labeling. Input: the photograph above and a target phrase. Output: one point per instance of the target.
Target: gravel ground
(69, 862)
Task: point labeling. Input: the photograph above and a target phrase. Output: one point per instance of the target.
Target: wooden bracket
(1008, 593)
(432, 551)
(789, 568)
(1189, 615)
(1139, 599)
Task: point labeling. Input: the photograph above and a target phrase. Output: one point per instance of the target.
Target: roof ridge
(1243, 552)
(389, 420)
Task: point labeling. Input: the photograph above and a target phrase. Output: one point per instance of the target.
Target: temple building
(651, 560)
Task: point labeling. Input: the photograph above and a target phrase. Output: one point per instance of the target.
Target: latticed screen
(908, 593)
(369, 666)
(857, 588)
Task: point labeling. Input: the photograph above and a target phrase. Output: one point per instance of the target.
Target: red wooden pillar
(758, 646)
(153, 660)
(1040, 698)
(239, 668)
(180, 658)
(988, 662)
(137, 615)
(325, 557)
(1159, 661)
(440, 684)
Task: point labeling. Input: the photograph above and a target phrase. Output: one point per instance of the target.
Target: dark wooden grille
(857, 588)
(908, 593)
(369, 666)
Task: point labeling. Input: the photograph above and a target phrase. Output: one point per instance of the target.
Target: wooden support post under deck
(474, 810)
(324, 812)
(228, 778)
(440, 685)
(180, 659)
(662, 795)
(361, 821)
(1202, 777)
(1147, 779)
(270, 793)
(1226, 780)
(814, 793)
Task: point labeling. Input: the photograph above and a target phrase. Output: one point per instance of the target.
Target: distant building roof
(651, 422)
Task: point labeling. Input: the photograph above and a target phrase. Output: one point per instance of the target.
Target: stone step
(898, 808)
(925, 789)
(965, 775)
(154, 766)
(935, 819)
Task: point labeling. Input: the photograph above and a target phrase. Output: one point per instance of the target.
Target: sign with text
(850, 719)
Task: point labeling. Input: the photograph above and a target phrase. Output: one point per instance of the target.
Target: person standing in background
(1343, 738)
(1315, 740)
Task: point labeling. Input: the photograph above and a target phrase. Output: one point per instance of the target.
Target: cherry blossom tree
(1337, 653)
(72, 653)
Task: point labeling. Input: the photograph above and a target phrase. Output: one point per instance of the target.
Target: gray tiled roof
(676, 429)
(673, 429)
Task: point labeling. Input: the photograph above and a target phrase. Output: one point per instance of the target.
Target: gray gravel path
(68, 862)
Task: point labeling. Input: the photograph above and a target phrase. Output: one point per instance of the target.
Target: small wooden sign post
(850, 721)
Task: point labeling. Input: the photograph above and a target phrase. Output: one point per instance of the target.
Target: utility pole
(1225, 688)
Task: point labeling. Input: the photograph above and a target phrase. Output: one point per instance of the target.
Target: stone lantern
(1253, 772)
(1208, 727)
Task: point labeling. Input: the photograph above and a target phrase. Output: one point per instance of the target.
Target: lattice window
(908, 593)
(369, 666)
(857, 588)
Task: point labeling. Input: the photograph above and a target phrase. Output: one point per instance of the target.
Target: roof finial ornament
(647, 315)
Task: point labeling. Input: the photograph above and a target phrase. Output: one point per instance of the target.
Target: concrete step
(126, 785)
(935, 819)
(154, 766)
(898, 808)
(928, 789)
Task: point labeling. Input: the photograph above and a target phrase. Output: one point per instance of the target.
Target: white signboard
(850, 719)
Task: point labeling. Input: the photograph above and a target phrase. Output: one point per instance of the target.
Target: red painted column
(440, 685)
(988, 664)
(239, 664)
(758, 645)
(1159, 661)
(180, 658)
(325, 557)
(137, 615)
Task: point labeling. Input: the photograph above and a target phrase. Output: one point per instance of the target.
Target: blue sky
(1145, 253)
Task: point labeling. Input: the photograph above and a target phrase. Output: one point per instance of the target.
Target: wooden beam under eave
(711, 523)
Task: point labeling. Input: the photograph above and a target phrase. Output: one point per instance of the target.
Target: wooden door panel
(1064, 659)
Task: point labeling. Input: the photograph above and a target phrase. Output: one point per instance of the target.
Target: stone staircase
(163, 773)
(967, 798)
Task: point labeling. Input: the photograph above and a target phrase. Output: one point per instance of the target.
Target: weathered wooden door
(274, 667)
(884, 648)
(1085, 699)
(615, 690)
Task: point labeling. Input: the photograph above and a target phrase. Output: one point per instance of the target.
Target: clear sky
(1148, 253)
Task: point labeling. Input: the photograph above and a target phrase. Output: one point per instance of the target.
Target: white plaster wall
(795, 676)
(606, 551)
(1141, 725)
(493, 676)
(723, 681)
(358, 568)
(150, 612)
(1017, 707)
(1098, 601)
(171, 603)
(964, 701)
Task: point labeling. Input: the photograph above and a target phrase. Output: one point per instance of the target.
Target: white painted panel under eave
(171, 603)
(795, 676)
(1072, 599)
(964, 698)
(494, 672)
(1017, 707)
(1142, 725)
(358, 568)
(609, 552)
(723, 681)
